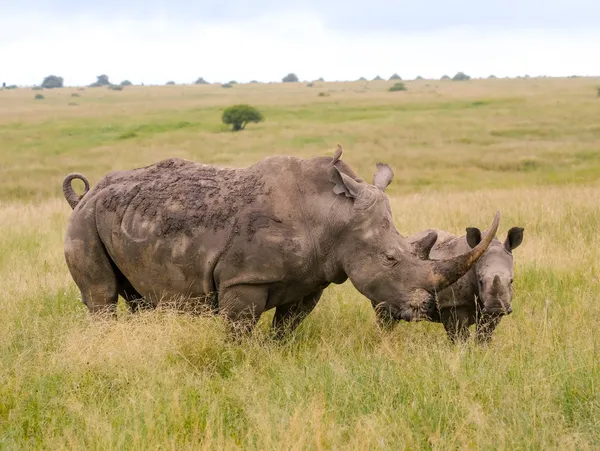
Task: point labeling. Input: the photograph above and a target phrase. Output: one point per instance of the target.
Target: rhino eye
(391, 259)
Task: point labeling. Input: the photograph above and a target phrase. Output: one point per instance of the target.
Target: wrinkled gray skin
(243, 241)
(483, 295)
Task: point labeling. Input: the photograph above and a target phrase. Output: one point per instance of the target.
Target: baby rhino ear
(514, 238)
(473, 236)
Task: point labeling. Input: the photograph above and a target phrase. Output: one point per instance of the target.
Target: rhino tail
(71, 196)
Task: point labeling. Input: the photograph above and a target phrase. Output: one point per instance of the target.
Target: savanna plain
(164, 380)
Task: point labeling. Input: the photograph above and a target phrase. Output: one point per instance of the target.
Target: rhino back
(182, 226)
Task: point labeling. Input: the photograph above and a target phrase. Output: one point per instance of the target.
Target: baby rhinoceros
(484, 294)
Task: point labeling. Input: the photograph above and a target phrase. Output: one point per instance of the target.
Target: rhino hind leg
(91, 269)
(289, 316)
(456, 322)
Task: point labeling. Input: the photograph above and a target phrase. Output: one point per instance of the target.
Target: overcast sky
(154, 41)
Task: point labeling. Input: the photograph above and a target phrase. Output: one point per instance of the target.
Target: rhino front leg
(242, 305)
(289, 316)
(485, 327)
(456, 322)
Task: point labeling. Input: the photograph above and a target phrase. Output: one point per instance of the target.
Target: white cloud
(155, 51)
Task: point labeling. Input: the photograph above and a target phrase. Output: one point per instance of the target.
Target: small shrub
(461, 76)
(397, 87)
(74, 94)
(52, 81)
(362, 79)
(238, 116)
(12, 87)
(39, 97)
(37, 88)
(253, 81)
(310, 85)
(290, 78)
(323, 94)
(170, 83)
(378, 78)
(126, 83)
(232, 82)
(227, 85)
(445, 77)
(598, 91)
(419, 78)
(492, 77)
(321, 79)
(115, 87)
(102, 80)
(201, 81)
(395, 77)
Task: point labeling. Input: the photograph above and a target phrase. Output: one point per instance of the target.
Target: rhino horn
(446, 272)
(497, 287)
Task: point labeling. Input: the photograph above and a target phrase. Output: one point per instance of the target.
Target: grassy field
(460, 151)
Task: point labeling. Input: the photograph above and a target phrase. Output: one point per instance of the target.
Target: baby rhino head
(494, 271)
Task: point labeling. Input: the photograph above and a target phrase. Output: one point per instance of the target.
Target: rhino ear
(473, 236)
(383, 177)
(514, 238)
(422, 247)
(344, 184)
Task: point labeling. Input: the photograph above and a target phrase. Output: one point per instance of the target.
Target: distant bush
(598, 91)
(115, 87)
(170, 83)
(445, 77)
(323, 94)
(419, 78)
(395, 77)
(397, 87)
(232, 82)
(321, 79)
(102, 80)
(74, 94)
(238, 116)
(12, 87)
(362, 79)
(378, 78)
(461, 76)
(126, 83)
(310, 85)
(37, 88)
(492, 77)
(39, 97)
(201, 81)
(253, 81)
(52, 81)
(290, 78)
(227, 85)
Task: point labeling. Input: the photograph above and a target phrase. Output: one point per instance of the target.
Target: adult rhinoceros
(272, 235)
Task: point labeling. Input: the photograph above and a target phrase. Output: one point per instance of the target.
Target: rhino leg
(485, 327)
(91, 268)
(456, 322)
(242, 305)
(289, 316)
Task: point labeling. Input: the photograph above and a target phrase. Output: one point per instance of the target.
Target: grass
(162, 380)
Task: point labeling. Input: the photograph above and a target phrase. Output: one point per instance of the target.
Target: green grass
(460, 151)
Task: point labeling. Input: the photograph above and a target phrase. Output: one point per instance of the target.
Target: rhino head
(494, 271)
(397, 278)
